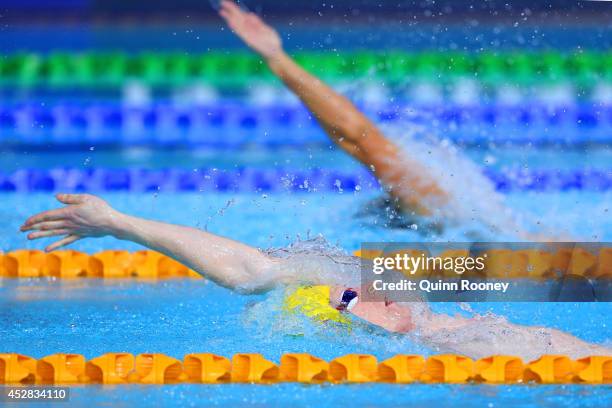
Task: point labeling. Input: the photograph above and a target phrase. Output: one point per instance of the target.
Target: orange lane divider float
(303, 367)
(112, 264)
(499, 369)
(17, 368)
(120, 264)
(604, 264)
(402, 369)
(448, 368)
(593, 370)
(550, 369)
(61, 369)
(110, 368)
(157, 368)
(207, 368)
(354, 368)
(524, 263)
(253, 368)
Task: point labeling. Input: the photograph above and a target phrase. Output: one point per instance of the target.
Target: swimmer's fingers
(226, 16)
(235, 23)
(254, 20)
(49, 233)
(230, 12)
(57, 214)
(238, 19)
(45, 226)
(71, 198)
(262, 38)
(51, 215)
(62, 242)
(231, 9)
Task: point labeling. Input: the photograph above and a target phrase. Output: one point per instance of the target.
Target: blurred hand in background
(262, 38)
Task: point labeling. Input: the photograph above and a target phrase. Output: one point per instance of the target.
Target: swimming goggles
(348, 300)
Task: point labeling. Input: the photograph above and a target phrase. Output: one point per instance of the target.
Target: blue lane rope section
(273, 180)
(231, 125)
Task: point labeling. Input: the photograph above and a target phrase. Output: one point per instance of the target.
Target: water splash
(315, 261)
(474, 206)
(473, 201)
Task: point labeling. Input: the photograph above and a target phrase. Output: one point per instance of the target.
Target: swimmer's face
(388, 315)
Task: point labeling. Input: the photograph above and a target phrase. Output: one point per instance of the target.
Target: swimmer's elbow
(254, 277)
(252, 286)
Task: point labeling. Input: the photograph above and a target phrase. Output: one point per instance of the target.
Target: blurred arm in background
(404, 177)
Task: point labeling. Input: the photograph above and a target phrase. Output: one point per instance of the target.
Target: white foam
(474, 203)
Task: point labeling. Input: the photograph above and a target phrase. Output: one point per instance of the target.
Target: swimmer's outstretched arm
(228, 263)
(484, 336)
(343, 122)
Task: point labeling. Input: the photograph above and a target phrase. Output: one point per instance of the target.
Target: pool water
(92, 317)
(517, 120)
(348, 220)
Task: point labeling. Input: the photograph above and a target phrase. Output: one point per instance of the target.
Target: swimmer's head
(321, 303)
(324, 303)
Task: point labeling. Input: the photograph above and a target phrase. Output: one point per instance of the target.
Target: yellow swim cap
(313, 301)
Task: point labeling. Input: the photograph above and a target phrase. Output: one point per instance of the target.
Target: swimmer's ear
(70, 198)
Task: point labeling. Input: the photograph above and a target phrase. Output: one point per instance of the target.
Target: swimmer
(245, 269)
(414, 190)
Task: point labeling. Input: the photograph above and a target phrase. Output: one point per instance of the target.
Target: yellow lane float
(207, 368)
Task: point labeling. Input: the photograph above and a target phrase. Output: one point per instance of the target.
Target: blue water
(309, 34)
(93, 317)
(271, 221)
(497, 157)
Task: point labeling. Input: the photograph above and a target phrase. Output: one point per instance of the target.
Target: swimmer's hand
(84, 216)
(262, 38)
